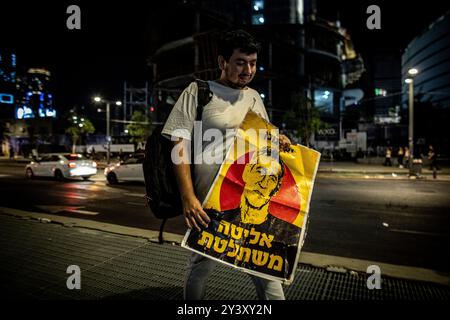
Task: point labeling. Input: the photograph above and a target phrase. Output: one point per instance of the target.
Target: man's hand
(285, 143)
(192, 208)
(193, 213)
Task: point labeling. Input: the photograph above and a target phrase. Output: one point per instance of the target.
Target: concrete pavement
(37, 251)
(376, 171)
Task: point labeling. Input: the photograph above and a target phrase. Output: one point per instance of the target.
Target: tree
(139, 128)
(303, 118)
(79, 129)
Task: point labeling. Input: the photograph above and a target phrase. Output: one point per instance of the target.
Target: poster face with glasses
(258, 204)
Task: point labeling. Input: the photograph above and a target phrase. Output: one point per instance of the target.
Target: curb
(150, 235)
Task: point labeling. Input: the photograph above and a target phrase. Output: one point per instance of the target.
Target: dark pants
(387, 162)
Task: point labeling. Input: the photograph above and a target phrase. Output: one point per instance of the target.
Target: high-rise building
(7, 79)
(428, 53)
(34, 95)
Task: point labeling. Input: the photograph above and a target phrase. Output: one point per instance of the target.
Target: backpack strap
(204, 96)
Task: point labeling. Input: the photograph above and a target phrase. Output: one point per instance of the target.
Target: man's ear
(221, 61)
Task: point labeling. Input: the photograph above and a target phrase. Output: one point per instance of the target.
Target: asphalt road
(398, 222)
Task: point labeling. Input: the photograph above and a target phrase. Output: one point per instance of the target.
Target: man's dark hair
(237, 39)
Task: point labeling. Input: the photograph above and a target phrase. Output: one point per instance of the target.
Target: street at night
(396, 222)
(289, 150)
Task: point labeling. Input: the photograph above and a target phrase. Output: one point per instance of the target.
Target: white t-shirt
(225, 112)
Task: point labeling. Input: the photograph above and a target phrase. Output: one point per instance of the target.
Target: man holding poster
(232, 101)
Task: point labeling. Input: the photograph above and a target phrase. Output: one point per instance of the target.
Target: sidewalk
(35, 256)
(375, 171)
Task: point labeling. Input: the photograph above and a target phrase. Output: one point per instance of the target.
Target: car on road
(61, 166)
(129, 169)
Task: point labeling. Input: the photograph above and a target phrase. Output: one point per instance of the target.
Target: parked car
(129, 169)
(61, 166)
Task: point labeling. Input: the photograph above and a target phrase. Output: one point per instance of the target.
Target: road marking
(419, 232)
(98, 179)
(55, 209)
(74, 196)
(136, 204)
(89, 213)
(139, 195)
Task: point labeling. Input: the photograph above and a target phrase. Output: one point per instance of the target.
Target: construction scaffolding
(134, 99)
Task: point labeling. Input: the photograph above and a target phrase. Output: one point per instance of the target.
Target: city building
(8, 72)
(26, 103)
(34, 98)
(385, 123)
(428, 53)
(301, 53)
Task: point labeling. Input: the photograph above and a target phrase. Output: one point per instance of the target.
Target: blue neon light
(50, 113)
(6, 98)
(24, 113)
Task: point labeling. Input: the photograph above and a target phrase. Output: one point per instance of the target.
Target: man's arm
(192, 208)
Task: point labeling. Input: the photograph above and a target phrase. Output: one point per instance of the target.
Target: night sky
(112, 45)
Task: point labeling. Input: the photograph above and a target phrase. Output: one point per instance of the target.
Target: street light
(413, 71)
(410, 81)
(108, 136)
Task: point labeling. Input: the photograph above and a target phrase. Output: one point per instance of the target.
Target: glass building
(7, 78)
(429, 54)
(34, 97)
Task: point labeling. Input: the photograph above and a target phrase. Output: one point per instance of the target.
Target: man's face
(260, 180)
(239, 70)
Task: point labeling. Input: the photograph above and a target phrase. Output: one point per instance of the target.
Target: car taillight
(72, 165)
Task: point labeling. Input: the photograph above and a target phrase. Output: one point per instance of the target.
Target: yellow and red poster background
(270, 248)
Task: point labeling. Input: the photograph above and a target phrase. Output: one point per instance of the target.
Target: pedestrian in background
(400, 155)
(406, 157)
(432, 156)
(387, 159)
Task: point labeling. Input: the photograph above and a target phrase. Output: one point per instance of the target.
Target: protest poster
(258, 204)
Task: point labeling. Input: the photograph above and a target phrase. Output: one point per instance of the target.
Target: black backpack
(162, 194)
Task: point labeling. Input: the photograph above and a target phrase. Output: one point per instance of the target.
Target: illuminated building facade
(34, 97)
(429, 54)
(7, 79)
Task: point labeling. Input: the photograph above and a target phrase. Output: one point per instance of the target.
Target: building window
(258, 5)
(258, 19)
(323, 100)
